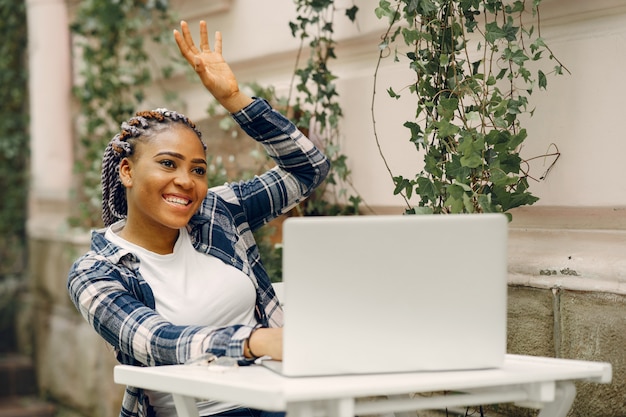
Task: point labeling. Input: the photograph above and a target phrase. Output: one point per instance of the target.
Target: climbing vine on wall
(113, 70)
(316, 108)
(471, 65)
(14, 136)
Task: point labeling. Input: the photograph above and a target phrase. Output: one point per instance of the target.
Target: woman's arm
(104, 295)
(300, 166)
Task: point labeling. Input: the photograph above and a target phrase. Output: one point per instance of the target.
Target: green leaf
(410, 36)
(516, 55)
(444, 60)
(392, 93)
(447, 106)
(454, 168)
(468, 204)
(421, 210)
(426, 188)
(510, 31)
(493, 32)
(472, 160)
(351, 13)
(510, 163)
(417, 135)
(431, 165)
(455, 204)
(543, 82)
(484, 202)
(539, 43)
(401, 184)
(517, 7)
(427, 7)
(384, 9)
(446, 129)
(471, 150)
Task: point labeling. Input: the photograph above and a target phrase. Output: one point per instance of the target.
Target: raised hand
(211, 67)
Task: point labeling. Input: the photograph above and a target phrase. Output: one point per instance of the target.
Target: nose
(183, 179)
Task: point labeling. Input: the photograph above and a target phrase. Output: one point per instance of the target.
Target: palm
(210, 65)
(217, 76)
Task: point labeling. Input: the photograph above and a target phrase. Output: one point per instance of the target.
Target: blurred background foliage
(14, 158)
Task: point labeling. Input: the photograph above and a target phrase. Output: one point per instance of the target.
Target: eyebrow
(180, 156)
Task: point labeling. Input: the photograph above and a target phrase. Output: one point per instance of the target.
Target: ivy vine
(472, 82)
(14, 146)
(316, 109)
(314, 106)
(111, 38)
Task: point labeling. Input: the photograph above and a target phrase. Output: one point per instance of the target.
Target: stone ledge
(570, 218)
(580, 260)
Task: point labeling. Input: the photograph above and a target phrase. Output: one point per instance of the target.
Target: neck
(161, 242)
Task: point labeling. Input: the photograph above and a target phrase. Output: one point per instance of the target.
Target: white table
(528, 381)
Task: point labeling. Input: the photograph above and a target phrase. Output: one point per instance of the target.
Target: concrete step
(25, 407)
(18, 389)
(17, 376)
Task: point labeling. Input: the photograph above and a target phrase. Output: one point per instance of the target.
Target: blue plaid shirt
(110, 293)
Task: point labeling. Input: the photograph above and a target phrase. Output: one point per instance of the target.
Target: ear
(126, 172)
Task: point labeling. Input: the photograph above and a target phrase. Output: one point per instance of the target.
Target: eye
(199, 171)
(167, 163)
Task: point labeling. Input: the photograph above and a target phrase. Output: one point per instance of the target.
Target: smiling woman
(176, 273)
(163, 175)
(160, 158)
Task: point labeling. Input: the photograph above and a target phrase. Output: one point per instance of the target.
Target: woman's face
(165, 179)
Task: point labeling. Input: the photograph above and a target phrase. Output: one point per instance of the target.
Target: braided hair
(137, 129)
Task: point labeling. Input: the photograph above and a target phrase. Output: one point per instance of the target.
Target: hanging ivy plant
(314, 106)
(114, 70)
(316, 109)
(470, 60)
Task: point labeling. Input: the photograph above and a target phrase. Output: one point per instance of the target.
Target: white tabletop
(264, 389)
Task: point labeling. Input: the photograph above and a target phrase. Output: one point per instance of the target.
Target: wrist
(236, 102)
(247, 349)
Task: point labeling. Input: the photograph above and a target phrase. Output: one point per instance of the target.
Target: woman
(176, 273)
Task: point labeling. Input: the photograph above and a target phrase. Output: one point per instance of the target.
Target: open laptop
(380, 294)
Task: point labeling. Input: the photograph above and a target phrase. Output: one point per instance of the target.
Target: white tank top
(192, 288)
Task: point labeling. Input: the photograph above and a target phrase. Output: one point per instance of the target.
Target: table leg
(400, 413)
(185, 406)
(564, 398)
(304, 409)
(343, 407)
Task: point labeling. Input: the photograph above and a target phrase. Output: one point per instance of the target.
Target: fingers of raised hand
(204, 37)
(218, 42)
(188, 39)
(184, 49)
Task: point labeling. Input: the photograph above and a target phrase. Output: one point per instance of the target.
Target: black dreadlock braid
(139, 128)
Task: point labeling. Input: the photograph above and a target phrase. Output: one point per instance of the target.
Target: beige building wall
(579, 115)
(579, 112)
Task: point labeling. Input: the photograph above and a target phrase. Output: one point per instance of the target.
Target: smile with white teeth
(178, 200)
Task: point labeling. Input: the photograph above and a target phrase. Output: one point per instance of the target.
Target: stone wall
(74, 365)
(574, 325)
(567, 294)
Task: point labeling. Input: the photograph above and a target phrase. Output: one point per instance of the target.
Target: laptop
(393, 293)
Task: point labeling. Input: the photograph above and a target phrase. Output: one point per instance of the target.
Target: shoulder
(104, 260)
